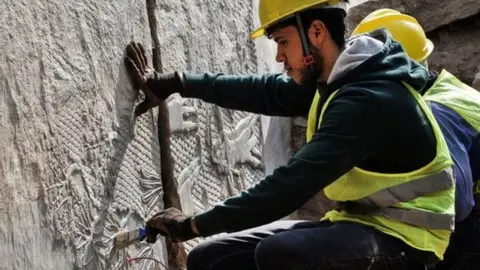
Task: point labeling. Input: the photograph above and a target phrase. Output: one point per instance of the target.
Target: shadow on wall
(124, 126)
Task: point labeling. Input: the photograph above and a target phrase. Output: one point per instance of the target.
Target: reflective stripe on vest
(381, 202)
(419, 218)
(411, 190)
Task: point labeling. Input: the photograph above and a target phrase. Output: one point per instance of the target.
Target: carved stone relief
(76, 167)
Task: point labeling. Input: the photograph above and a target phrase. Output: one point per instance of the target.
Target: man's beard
(311, 74)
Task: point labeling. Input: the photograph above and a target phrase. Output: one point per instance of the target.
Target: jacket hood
(376, 56)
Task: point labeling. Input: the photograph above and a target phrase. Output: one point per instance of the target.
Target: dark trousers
(307, 245)
(463, 252)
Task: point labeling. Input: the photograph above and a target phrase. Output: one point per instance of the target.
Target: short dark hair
(334, 20)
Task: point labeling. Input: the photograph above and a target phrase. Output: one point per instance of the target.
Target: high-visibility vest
(417, 207)
(459, 97)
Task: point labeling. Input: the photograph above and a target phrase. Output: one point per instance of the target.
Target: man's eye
(282, 43)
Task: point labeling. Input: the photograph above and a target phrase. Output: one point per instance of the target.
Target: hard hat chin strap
(308, 57)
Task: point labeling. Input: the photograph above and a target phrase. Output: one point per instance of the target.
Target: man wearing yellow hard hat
(456, 106)
(373, 146)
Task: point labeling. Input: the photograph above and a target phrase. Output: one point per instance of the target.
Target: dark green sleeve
(272, 94)
(351, 131)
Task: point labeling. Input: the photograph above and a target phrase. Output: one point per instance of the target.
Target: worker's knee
(275, 252)
(196, 257)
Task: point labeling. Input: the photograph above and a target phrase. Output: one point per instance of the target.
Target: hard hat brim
(261, 30)
(257, 33)
(429, 50)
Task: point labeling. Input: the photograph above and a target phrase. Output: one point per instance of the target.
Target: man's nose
(280, 57)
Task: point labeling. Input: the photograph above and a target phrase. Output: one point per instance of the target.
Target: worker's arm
(272, 94)
(351, 131)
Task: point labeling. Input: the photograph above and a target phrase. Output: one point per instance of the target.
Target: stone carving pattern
(110, 181)
(219, 159)
(102, 166)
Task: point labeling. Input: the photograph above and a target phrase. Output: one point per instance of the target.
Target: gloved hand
(157, 87)
(170, 222)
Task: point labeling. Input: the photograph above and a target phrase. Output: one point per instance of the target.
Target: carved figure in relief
(180, 114)
(241, 141)
(219, 141)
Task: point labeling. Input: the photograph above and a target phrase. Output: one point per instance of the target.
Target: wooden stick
(177, 256)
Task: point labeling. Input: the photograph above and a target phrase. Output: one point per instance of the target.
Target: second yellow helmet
(403, 28)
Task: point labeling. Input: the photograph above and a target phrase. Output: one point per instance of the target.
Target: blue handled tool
(123, 239)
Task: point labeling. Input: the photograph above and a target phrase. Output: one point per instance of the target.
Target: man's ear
(317, 32)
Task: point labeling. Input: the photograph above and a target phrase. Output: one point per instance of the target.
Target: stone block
(431, 14)
(457, 48)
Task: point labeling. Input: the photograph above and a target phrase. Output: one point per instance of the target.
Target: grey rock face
(453, 27)
(457, 48)
(431, 14)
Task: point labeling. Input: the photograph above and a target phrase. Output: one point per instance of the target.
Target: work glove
(156, 87)
(170, 222)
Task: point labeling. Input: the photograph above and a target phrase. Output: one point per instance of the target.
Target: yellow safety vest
(461, 98)
(417, 207)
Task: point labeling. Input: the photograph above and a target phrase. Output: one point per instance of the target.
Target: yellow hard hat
(273, 11)
(403, 28)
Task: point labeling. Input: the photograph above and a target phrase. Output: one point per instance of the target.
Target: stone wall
(76, 166)
(457, 49)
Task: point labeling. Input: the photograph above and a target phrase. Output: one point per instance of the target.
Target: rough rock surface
(453, 27)
(457, 48)
(75, 166)
(431, 14)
